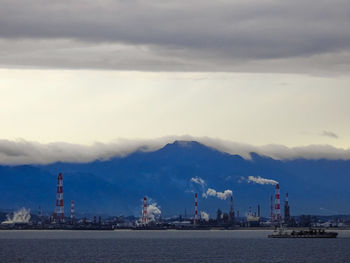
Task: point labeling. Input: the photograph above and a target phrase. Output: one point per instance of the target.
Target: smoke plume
(221, 195)
(260, 180)
(153, 211)
(198, 180)
(20, 216)
(204, 216)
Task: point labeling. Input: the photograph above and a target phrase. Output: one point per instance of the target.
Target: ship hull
(302, 236)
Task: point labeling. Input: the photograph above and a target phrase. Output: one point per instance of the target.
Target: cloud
(27, 152)
(279, 152)
(260, 180)
(253, 35)
(330, 134)
(221, 195)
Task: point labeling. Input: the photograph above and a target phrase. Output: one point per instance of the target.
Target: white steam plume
(26, 152)
(198, 180)
(20, 216)
(210, 192)
(260, 180)
(221, 195)
(204, 216)
(153, 211)
(226, 194)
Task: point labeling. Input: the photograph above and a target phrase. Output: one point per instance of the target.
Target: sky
(249, 72)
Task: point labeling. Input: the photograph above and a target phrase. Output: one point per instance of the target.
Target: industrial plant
(151, 216)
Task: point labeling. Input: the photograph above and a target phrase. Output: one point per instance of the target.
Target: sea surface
(167, 246)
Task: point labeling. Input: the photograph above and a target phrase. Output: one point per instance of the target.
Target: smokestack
(144, 211)
(258, 210)
(195, 209)
(59, 213)
(232, 211)
(72, 211)
(277, 204)
(40, 213)
(286, 211)
(272, 216)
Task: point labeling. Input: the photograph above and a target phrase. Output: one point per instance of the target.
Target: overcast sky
(254, 71)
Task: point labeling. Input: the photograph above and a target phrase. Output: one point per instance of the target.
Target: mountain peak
(180, 145)
(187, 143)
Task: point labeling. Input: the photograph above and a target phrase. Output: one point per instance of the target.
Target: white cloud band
(26, 152)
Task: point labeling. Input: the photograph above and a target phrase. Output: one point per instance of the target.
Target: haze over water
(168, 246)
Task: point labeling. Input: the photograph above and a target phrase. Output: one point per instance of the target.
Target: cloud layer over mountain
(26, 152)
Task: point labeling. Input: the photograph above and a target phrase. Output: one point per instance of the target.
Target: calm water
(167, 246)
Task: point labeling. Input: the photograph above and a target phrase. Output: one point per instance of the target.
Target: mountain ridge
(117, 185)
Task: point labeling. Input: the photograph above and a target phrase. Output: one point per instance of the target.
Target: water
(167, 246)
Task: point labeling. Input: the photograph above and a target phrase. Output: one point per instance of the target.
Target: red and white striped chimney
(277, 204)
(59, 213)
(195, 209)
(144, 211)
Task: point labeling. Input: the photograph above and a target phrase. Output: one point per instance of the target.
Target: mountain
(116, 186)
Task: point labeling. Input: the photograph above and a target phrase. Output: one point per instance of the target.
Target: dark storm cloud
(175, 35)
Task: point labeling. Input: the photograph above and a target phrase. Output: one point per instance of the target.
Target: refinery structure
(151, 217)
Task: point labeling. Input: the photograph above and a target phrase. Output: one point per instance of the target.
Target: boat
(311, 233)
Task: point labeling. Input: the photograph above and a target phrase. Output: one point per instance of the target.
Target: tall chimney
(72, 211)
(195, 209)
(232, 211)
(59, 213)
(272, 216)
(40, 214)
(144, 211)
(277, 204)
(286, 211)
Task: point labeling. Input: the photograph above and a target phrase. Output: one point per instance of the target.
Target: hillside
(116, 186)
